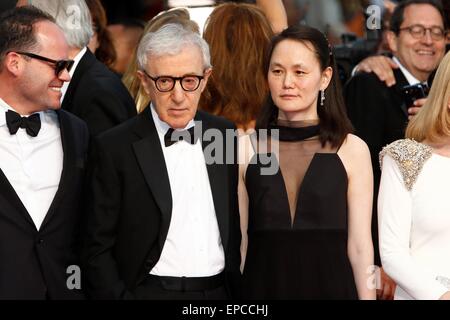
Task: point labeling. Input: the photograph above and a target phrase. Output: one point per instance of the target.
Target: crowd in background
(102, 165)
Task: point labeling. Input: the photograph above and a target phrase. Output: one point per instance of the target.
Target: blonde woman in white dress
(413, 203)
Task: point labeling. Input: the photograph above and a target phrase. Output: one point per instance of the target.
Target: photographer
(378, 112)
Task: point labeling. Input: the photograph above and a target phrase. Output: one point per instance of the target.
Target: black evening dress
(297, 227)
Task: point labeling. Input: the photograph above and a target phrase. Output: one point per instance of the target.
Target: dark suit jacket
(96, 95)
(33, 263)
(131, 206)
(380, 117)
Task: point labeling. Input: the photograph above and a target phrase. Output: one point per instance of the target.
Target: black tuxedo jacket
(380, 116)
(33, 264)
(96, 95)
(131, 205)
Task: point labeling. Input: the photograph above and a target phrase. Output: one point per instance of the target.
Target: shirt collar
(76, 60)
(47, 116)
(161, 126)
(409, 77)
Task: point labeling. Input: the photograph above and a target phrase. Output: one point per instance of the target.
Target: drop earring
(322, 97)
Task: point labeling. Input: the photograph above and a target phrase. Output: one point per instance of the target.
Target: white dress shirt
(32, 165)
(414, 228)
(193, 246)
(72, 71)
(409, 77)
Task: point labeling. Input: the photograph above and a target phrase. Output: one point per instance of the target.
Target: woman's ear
(327, 74)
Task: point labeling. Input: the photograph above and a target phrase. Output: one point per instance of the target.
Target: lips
(288, 96)
(425, 52)
(177, 111)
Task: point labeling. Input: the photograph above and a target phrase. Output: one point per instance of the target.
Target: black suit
(33, 263)
(380, 117)
(96, 95)
(131, 206)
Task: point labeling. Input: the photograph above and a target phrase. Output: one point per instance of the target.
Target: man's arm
(382, 66)
(275, 13)
(100, 268)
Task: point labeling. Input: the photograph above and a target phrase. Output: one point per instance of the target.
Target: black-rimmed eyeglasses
(418, 31)
(167, 83)
(58, 65)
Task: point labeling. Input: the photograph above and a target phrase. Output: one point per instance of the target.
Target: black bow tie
(172, 136)
(31, 124)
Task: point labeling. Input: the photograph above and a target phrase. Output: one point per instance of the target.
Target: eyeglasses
(59, 65)
(418, 31)
(167, 83)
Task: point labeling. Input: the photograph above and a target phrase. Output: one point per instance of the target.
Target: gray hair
(171, 39)
(72, 16)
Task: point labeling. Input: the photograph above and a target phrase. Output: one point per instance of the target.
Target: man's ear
(13, 63)
(392, 38)
(206, 76)
(144, 81)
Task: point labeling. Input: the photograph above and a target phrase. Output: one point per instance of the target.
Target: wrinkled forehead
(187, 60)
(424, 14)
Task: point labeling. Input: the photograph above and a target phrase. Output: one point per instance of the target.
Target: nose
(427, 37)
(64, 76)
(288, 81)
(177, 93)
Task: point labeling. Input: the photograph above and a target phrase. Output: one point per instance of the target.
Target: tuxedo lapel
(85, 63)
(218, 180)
(400, 83)
(151, 160)
(69, 164)
(11, 203)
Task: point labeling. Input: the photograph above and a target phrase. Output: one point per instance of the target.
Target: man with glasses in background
(379, 113)
(163, 219)
(42, 155)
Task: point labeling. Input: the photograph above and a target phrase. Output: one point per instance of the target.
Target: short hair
(72, 16)
(175, 15)
(334, 124)
(17, 29)
(433, 120)
(171, 39)
(399, 13)
(238, 35)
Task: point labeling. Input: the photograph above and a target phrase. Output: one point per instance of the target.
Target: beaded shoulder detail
(410, 157)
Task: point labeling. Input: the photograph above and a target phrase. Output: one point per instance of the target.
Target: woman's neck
(441, 146)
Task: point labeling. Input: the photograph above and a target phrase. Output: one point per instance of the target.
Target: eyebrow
(297, 65)
(184, 75)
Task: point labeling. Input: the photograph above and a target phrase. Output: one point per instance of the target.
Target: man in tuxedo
(163, 221)
(378, 112)
(95, 93)
(43, 152)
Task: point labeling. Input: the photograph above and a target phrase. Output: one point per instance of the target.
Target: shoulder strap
(410, 157)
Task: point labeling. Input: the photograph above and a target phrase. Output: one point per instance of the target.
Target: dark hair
(334, 124)
(105, 52)
(17, 29)
(399, 12)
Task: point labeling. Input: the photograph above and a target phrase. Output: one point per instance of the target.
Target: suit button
(40, 241)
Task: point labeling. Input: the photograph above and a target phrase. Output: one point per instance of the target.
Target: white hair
(72, 16)
(171, 39)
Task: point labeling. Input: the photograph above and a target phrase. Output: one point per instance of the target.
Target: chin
(178, 123)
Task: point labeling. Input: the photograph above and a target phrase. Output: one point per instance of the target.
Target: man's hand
(380, 65)
(412, 111)
(387, 287)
